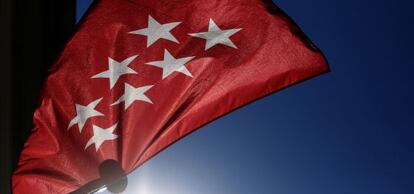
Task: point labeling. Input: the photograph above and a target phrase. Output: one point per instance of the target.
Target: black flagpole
(112, 177)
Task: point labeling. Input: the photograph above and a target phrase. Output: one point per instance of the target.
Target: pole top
(113, 176)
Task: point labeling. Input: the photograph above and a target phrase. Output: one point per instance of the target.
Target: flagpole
(98, 190)
(112, 178)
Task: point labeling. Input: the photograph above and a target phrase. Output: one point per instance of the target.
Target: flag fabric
(139, 75)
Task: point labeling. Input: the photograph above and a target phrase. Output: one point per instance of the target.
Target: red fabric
(272, 53)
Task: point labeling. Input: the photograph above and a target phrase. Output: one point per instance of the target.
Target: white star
(101, 135)
(83, 113)
(156, 31)
(116, 70)
(216, 36)
(170, 64)
(132, 94)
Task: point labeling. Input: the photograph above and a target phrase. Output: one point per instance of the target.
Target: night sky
(349, 131)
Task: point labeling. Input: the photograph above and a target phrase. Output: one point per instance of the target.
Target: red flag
(139, 75)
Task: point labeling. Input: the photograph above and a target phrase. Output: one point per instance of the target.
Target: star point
(100, 135)
(83, 113)
(116, 70)
(132, 94)
(170, 64)
(156, 31)
(215, 36)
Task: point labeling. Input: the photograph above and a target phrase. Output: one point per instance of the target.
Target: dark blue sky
(350, 131)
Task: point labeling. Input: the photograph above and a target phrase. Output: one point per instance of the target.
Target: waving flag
(139, 75)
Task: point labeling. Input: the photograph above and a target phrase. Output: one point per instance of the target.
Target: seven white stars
(131, 94)
(83, 113)
(170, 64)
(216, 36)
(101, 135)
(116, 70)
(156, 31)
